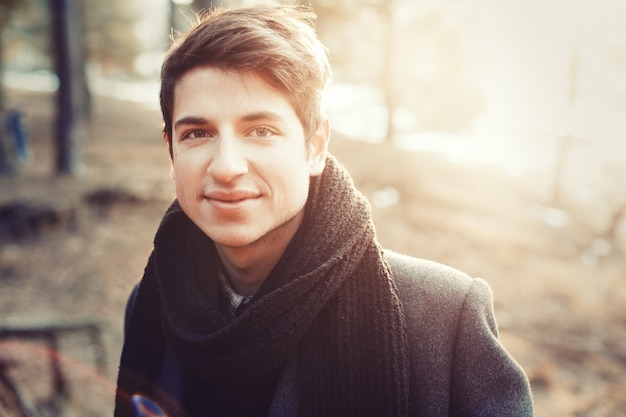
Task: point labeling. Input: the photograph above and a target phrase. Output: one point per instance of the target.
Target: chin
(233, 240)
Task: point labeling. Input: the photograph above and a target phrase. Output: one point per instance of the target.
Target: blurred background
(489, 136)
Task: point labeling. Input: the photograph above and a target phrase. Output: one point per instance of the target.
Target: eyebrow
(190, 120)
(252, 117)
(262, 115)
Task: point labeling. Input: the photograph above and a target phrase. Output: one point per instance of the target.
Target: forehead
(207, 84)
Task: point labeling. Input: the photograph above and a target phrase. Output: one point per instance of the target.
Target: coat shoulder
(434, 294)
(423, 282)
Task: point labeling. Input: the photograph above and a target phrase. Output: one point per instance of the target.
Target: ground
(558, 291)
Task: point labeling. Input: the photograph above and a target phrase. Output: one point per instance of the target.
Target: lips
(231, 197)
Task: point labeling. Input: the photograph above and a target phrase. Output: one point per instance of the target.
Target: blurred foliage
(437, 61)
(6, 8)
(353, 31)
(203, 4)
(420, 56)
(111, 41)
(430, 67)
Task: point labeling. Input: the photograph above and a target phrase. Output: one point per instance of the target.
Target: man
(267, 293)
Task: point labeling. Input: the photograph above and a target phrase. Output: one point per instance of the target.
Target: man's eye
(196, 134)
(262, 132)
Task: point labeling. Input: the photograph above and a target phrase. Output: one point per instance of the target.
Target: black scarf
(330, 303)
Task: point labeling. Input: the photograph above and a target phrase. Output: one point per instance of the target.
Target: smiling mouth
(230, 199)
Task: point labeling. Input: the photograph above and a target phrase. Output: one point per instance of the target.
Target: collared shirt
(234, 300)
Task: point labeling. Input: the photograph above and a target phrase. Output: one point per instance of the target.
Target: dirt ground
(559, 291)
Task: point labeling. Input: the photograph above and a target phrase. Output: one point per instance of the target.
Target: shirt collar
(234, 300)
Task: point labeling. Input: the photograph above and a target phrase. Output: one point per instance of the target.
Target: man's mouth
(231, 197)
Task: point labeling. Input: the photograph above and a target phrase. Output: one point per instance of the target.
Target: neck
(247, 267)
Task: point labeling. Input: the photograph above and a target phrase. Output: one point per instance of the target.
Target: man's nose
(228, 161)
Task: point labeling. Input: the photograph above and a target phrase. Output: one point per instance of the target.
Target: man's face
(239, 157)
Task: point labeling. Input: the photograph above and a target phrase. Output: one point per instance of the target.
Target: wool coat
(458, 366)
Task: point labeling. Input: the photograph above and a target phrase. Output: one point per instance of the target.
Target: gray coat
(458, 365)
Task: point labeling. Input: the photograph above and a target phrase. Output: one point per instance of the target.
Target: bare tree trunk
(6, 7)
(68, 49)
(1, 66)
(5, 164)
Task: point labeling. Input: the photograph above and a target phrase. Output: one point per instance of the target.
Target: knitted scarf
(330, 303)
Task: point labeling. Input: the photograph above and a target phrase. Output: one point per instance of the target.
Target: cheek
(185, 174)
(187, 162)
(298, 184)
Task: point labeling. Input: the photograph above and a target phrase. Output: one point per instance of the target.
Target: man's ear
(318, 148)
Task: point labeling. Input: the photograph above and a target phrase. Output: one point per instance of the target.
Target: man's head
(242, 101)
(277, 42)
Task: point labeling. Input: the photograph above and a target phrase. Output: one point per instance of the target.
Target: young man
(267, 293)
